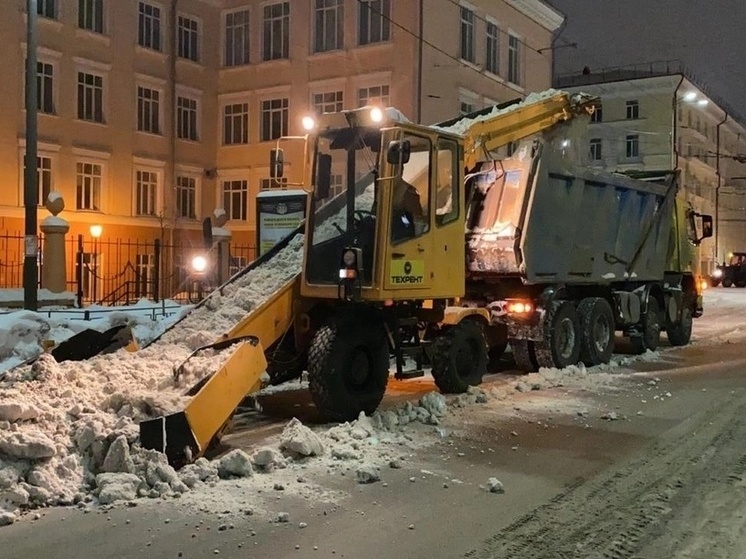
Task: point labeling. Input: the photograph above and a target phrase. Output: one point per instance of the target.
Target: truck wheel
(597, 328)
(348, 368)
(497, 341)
(680, 333)
(740, 283)
(651, 329)
(459, 358)
(727, 282)
(561, 345)
(524, 355)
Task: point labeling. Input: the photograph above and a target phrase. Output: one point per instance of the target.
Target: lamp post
(31, 179)
(96, 231)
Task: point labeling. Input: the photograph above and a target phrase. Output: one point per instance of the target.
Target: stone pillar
(54, 266)
(221, 238)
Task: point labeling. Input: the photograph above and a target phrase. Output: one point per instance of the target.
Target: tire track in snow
(620, 512)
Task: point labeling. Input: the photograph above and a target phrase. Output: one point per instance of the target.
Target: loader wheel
(740, 283)
(727, 282)
(597, 328)
(524, 355)
(459, 358)
(561, 345)
(348, 368)
(680, 333)
(651, 329)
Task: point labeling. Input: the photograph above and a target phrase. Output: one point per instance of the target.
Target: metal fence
(123, 271)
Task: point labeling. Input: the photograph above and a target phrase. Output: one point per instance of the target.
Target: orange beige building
(152, 114)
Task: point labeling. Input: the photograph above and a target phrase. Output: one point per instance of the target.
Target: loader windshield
(343, 205)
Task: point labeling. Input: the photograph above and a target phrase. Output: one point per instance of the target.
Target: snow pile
(24, 333)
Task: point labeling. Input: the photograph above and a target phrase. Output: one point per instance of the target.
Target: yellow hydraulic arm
(525, 119)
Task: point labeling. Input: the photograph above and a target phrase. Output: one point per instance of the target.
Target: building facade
(153, 113)
(661, 118)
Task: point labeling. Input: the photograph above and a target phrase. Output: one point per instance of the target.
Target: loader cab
(385, 219)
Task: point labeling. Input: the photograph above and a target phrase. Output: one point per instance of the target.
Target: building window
(633, 110)
(274, 119)
(329, 25)
(90, 97)
(188, 38)
(375, 95)
(514, 60)
(492, 58)
(47, 8)
(43, 176)
(91, 15)
(237, 38)
(374, 25)
(45, 87)
(148, 110)
(633, 146)
(235, 199)
(596, 149)
(467, 34)
(277, 31)
(186, 119)
(149, 30)
(598, 114)
(329, 102)
(236, 124)
(274, 184)
(186, 197)
(88, 191)
(146, 190)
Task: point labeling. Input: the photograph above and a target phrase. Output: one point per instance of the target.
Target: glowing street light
(199, 264)
(376, 114)
(308, 123)
(96, 230)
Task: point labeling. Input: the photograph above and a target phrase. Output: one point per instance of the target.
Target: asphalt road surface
(652, 467)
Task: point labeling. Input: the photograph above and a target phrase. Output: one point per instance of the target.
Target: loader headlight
(349, 258)
(717, 273)
(376, 114)
(308, 122)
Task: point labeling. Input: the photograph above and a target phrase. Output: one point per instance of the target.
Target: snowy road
(647, 461)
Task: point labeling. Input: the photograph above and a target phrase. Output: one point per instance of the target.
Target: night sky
(709, 36)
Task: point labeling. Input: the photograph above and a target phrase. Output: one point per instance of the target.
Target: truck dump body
(550, 221)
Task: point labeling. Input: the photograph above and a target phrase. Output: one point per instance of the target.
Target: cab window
(446, 187)
(410, 215)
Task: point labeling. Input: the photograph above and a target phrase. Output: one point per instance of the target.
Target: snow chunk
(117, 487)
(27, 445)
(118, 458)
(267, 459)
(7, 518)
(495, 485)
(299, 439)
(18, 411)
(367, 473)
(235, 464)
(434, 403)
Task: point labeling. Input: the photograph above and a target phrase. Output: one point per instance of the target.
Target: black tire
(651, 329)
(680, 334)
(348, 367)
(524, 355)
(727, 282)
(497, 340)
(740, 283)
(561, 345)
(597, 327)
(459, 358)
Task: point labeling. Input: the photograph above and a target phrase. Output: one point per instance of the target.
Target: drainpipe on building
(717, 189)
(170, 178)
(419, 60)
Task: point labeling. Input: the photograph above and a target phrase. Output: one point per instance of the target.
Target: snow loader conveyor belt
(185, 435)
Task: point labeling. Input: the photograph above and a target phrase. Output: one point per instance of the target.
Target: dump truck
(422, 246)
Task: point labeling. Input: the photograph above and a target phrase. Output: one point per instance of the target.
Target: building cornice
(540, 12)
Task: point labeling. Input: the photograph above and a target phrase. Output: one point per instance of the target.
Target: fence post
(79, 271)
(157, 271)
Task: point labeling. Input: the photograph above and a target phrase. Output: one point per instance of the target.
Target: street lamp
(96, 230)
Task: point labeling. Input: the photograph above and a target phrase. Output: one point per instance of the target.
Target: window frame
(269, 42)
(384, 15)
(244, 115)
(632, 144)
(193, 126)
(455, 211)
(156, 34)
(595, 148)
(324, 41)
(82, 14)
(194, 37)
(95, 74)
(243, 195)
(467, 33)
(152, 197)
(195, 179)
(245, 38)
(632, 109)
(387, 96)
(492, 47)
(515, 65)
(97, 192)
(269, 135)
(160, 104)
(337, 103)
